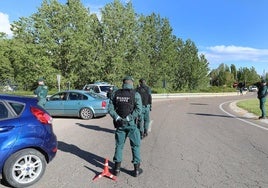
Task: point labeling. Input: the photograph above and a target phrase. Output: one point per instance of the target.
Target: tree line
(69, 40)
(232, 77)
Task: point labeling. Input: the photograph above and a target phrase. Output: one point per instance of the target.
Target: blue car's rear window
(17, 107)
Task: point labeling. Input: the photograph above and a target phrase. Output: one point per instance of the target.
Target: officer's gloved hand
(118, 118)
(128, 118)
(119, 121)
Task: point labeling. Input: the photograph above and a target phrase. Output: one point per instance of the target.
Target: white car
(253, 88)
(98, 87)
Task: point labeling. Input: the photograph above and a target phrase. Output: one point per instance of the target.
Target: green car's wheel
(86, 113)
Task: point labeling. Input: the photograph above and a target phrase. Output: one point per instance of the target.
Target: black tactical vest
(123, 101)
(143, 91)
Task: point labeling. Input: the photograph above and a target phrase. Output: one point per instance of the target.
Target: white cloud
(222, 54)
(5, 25)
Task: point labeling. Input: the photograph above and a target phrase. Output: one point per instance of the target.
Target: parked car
(77, 103)
(101, 88)
(27, 141)
(253, 88)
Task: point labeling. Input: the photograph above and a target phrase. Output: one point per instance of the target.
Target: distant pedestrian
(146, 97)
(241, 90)
(41, 92)
(262, 93)
(241, 87)
(125, 107)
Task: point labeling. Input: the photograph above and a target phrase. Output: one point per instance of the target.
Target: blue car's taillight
(41, 115)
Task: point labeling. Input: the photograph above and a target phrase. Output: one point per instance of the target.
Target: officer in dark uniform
(262, 92)
(124, 107)
(41, 92)
(111, 91)
(146, 97)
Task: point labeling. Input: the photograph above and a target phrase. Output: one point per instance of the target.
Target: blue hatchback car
(27, 140)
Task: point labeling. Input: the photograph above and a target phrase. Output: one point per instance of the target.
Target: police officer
(41, 92)
(146, 96)
(124, 107)
(111, 91)
(262, 92)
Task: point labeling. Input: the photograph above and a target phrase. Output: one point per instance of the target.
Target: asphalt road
(194, 142)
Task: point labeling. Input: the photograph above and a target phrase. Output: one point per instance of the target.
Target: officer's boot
(137, 170)
(116, 170)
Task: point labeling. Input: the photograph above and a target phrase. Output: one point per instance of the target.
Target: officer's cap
(128, 78)
(40, 79)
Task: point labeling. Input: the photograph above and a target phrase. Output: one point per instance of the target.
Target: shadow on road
(220, 115)
(2, 182)
(96, 128)
(198, 104)
(205, 114)
(87, 156)
(91, 158)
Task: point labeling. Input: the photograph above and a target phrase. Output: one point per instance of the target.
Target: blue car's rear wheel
(24, 168)
(86, 113)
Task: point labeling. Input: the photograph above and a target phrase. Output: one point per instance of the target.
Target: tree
(224, 76)
(66, 39)
(158, 48)
(119, 40)
(248, 76)
(192, 69)
(6, 69)
(233, 71)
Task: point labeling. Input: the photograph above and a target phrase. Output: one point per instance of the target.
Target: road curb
(187, 95)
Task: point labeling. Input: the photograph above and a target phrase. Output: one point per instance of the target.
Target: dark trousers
(262, 106)
(144, 119)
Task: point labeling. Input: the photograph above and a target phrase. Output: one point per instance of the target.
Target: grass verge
(251, 105)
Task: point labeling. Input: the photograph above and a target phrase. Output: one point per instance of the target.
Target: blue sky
(226, 31)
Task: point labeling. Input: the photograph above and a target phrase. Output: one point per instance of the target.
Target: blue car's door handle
(5, 129)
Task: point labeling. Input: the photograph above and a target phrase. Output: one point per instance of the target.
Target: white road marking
(248, 122)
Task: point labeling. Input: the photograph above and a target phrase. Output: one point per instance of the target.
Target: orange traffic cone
(105, 172)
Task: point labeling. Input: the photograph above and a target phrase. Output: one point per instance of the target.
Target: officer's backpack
(144, 92)
(124, 100)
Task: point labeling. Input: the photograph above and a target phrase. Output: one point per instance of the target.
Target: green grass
(251, 105)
